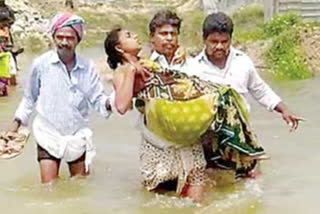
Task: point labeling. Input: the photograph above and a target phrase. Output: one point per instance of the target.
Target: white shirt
(61, 99)
(239, 73)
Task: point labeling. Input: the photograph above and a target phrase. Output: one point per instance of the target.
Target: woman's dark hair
(217, 22)
(114, 57)
(164, 17)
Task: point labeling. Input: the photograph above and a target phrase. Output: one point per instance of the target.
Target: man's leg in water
(77, 167)
(49, 166)
(195, 192)
(49, 170)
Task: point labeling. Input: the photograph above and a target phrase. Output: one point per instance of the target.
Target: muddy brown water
(289, 182)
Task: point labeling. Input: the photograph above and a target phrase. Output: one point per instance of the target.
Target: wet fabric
(167, 90)
(67, 147)
(161, 164)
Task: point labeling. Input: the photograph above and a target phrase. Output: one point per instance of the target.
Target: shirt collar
(155, 56)
(55, 59)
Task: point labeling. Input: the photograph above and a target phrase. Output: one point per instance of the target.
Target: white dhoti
(68, 147)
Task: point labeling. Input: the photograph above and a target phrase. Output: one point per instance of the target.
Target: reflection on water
(289, 184)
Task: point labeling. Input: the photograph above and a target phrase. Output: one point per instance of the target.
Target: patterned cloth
(67, 20)
(168, 91)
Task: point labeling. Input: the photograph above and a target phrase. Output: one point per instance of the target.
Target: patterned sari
(184, 110)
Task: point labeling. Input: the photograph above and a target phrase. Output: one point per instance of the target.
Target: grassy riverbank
(285, 56)
(282, 52)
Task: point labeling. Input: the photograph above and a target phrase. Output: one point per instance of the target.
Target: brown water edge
(289, 183)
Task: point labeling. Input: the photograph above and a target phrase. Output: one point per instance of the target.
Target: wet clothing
(63, 98)
(62, 102)
(239, 73)
(67, 147)
(42, 154)
(179, 109)
(162, 163)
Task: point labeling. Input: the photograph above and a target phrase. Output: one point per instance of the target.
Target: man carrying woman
(177, 110)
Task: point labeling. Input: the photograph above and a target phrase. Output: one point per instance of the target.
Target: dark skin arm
(15, 125)
(287, 116)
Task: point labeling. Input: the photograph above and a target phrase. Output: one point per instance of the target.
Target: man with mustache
(61, 88)
(221, 63)
(164, 37)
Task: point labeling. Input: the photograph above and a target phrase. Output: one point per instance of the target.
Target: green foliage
(285, 56)
(190, 34)
(248, 23)
(34, 43)
(280, 23)
(97, 24)
(138, 23)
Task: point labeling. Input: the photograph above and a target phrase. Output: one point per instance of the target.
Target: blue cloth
(60, 99)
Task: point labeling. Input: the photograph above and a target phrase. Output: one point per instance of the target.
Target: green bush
(285, 56)
(191, 33)
(280, 23)
(35, 43)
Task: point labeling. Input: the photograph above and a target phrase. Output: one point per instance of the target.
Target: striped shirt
(63, 99)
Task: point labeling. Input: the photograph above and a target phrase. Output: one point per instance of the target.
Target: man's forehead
(65, 31)
(166, 28)
(218, 35)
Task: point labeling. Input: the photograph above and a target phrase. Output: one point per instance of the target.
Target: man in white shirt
(164, 38)
(221, 63)
(61, 89)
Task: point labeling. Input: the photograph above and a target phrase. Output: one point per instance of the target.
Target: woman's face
(128, 42)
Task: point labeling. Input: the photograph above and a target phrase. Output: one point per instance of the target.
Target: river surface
(289, 182)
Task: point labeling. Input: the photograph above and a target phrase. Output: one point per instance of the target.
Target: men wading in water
(221, 63)
(61, 88)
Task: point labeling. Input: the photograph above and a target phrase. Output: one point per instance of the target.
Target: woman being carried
(179, 111)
